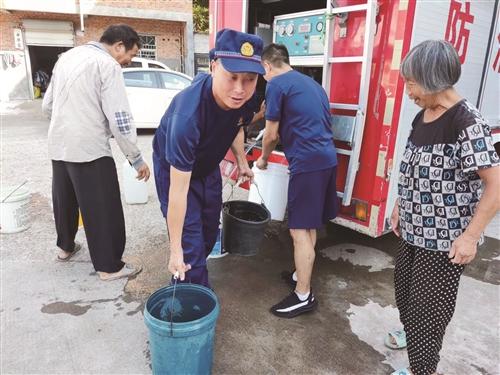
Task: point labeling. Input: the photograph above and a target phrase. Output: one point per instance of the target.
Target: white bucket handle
(258, 192)
(13, 191)
(250, 147)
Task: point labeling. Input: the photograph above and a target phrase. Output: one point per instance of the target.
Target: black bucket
(243, 226)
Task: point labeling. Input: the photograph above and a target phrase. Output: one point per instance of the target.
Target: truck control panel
(302, 33)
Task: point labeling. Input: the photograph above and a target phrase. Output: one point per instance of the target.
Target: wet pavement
(59, 318)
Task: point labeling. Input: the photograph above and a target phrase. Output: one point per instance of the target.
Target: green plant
(200, 16)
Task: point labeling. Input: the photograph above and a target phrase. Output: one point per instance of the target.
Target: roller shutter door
(49, 33)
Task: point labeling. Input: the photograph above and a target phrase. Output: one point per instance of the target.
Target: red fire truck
(354, 49)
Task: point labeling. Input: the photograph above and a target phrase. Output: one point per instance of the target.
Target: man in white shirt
(87, 103)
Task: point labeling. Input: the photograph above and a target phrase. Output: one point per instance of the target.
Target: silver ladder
(370, 7)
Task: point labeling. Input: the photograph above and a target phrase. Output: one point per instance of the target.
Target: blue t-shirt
(195, 133)
(303, 111)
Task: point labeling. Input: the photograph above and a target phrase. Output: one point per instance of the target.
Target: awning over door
(49, 33)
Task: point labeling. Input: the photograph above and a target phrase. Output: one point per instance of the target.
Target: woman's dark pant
(92, 187)
(426, 284)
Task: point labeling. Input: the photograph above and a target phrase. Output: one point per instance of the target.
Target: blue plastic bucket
(184, 346)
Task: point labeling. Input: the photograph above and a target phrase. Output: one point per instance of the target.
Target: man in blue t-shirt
(298, 115)
(201, 124)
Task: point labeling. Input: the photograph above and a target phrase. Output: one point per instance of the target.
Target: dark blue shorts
(204, 202)
(312, 199)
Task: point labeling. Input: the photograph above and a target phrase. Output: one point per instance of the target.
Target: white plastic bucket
(14, 211)
(135, 191)
(273, 187)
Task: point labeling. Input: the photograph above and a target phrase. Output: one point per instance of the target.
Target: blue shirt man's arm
(238, 149)
(274, 102)
(177, 206)
(270, 139)
(182, 138)
(259, 115)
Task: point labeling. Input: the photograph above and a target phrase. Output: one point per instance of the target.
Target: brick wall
(7, 23)
(169, 35)
(11, 20)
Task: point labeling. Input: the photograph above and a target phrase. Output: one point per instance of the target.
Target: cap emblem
(247, 49)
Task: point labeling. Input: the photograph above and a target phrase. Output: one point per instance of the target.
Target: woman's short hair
(276, 54)
(121, 33)
(433, 64)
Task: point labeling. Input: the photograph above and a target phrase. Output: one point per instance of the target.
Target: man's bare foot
(128, 270)
(64, 256)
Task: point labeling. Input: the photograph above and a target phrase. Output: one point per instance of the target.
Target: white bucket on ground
(273, 187)
(135, 191)
(14, 212)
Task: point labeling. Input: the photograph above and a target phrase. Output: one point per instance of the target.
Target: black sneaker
(287, 276)
(292, 306)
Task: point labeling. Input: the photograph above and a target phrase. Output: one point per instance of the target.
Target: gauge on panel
(289, 29)
(281, 30)
(319, 26)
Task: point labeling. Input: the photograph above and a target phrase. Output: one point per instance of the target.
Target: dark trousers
(426, 284)
(92, 187)
(199, 233)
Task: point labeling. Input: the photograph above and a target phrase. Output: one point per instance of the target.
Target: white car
(150, 92)
(141, 62)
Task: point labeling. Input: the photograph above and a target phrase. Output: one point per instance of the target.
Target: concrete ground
(60, 319)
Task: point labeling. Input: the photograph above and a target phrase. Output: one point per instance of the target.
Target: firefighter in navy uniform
(200, 125)
(298, 115)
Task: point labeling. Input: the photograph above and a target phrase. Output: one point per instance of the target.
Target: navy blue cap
(239, 52)
(211, 54)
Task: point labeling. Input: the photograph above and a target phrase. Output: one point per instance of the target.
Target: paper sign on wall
(18, 39)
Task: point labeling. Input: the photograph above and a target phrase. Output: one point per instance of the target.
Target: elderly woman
(449, 189)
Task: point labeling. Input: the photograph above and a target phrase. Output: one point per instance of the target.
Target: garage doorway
(45, 41)
(43, 59)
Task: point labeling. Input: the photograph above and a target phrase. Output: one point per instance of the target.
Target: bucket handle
(230, 195)
(176, 277)
(250, 147)
(13, 191)
(258, 192)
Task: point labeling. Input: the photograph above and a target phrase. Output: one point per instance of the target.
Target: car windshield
(174, 81)
(139, 79)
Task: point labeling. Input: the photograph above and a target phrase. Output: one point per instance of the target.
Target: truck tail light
(361, 210)
(357, 210)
